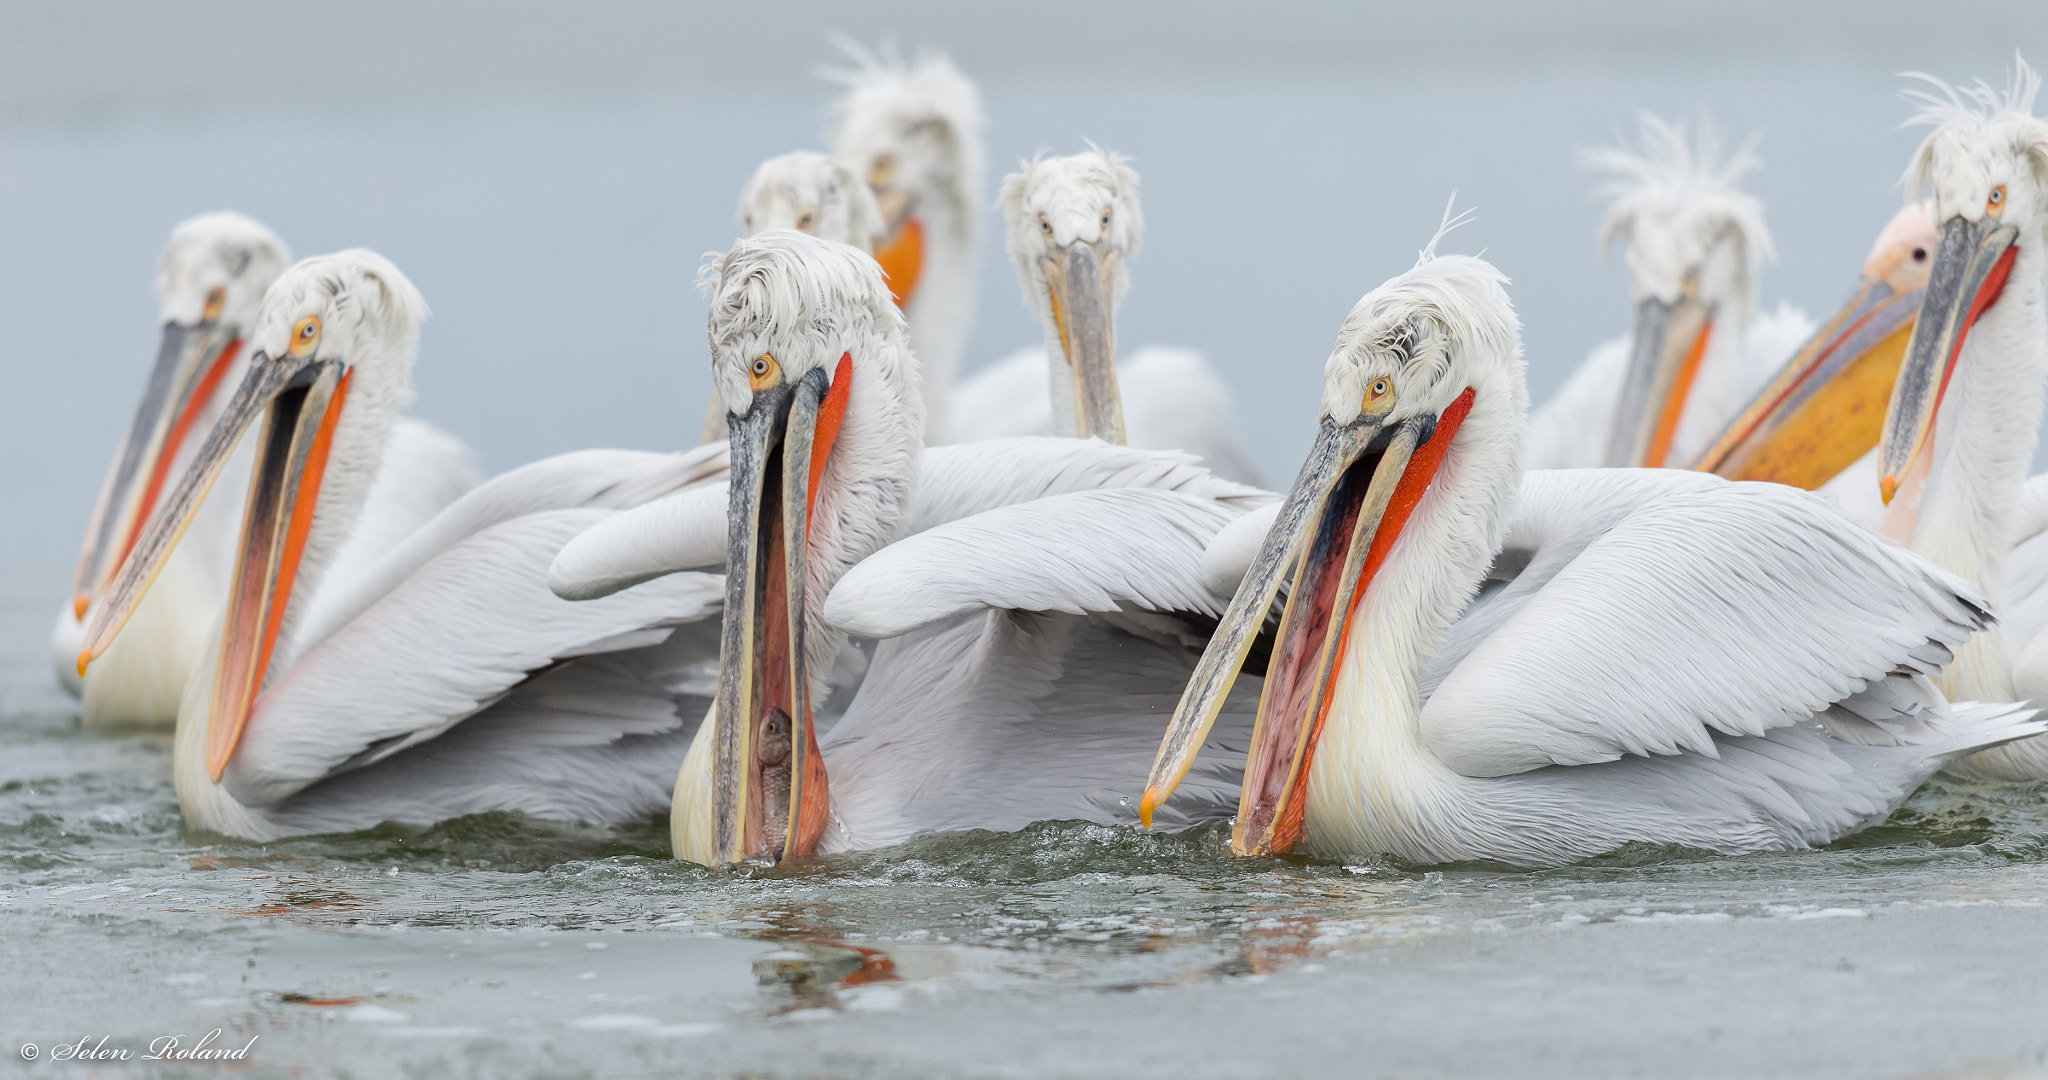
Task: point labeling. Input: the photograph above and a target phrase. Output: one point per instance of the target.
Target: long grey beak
(1079, 279)
(1969, 273)
(190, 365)
(1666, 345)
(769, 795)
(1318, 547)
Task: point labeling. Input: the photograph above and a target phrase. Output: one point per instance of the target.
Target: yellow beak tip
(78, 605)
(84, 658)
(1888, 487)
(1148, 804)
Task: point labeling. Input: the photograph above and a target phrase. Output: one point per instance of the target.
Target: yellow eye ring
(216, 299)
(764, 372)
(1995, 204)
(305, 337)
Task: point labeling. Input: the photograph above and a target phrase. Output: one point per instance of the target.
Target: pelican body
(1475, 666)
(440, 677)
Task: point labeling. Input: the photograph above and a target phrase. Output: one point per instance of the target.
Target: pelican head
(331, 361)
(811, 193)
(1070, 224)
(1423, 390)
(1694, 244)
(1824, 408)
(209, 282)
(1986, 162)
(913, 132)
(809, 354)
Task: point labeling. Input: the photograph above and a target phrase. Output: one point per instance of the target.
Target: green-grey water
(500, 947)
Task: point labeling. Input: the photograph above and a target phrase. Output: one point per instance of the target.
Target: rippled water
(494, 946)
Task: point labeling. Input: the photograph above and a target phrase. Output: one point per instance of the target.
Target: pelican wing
(1072, 553)
(607, 479)
(1642, 612)
(460, 634)
(686, 530)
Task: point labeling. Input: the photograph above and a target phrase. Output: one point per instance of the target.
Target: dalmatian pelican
(1071, 226)
(1020, 675)
(210, 279)
(1474, 665)
(1965, 412)
(913, 131)
(441, 678)
(1694, 243)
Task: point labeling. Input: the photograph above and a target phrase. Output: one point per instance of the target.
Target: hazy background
(550, 175)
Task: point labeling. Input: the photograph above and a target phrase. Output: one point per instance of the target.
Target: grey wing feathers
(1073, 553)
(956, 481)
(1713, 608)
(998, 719)
(596, 740)
(601, 479)
(468, 627)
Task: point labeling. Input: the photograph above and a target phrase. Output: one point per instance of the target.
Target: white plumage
(440, 676)
(1542, 670)
(971, 714)
(210, 282)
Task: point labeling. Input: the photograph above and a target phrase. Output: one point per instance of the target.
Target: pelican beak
(191, 363)
(1969, 272)
(769, 799)
(1078, 280)
(1825, 407)
(1355, 493)
(1667, 342)
(901, 256)
(301, 401)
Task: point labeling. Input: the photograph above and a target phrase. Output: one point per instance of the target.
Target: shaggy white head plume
(811, 193)
(1448, 311)
(1982, 140)
(1052, 202)
(1675, 208)
(913, 128)
(223, 250)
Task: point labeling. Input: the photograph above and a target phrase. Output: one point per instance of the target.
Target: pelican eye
(1105, 218)
(305, 337)
(1919, 254)
(1379, 397)
(216, 299)
(1044, 226)
(882, 170)
(764, 372)
(805, 220)
(1995, 204)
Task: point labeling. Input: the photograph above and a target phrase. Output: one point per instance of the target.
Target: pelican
(1653, 656)
(210, 280)
(443, 678)
(1020, 674)
(1815, 425)
(1071, 224)
(1965, 413)
(1694, 244)
(811, 193)
(913, 131)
